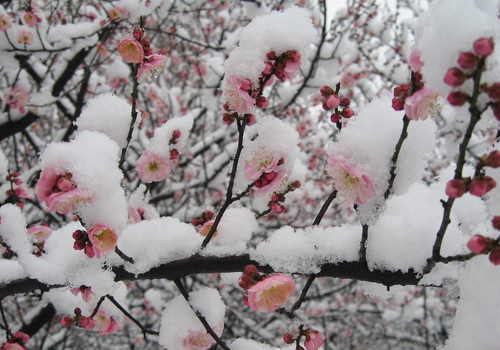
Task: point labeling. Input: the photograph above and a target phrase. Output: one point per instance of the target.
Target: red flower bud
(326, 91)
(496, 222)
(176, 134)
(494, 91)
(457, 98)
(481, 185)
(398, 103)
(288, 338)
(454, 77)
(138, 34)
(478, 244)
(483, 46)
(455, 188)
(335, 117)
(495, 256)
(493, 159)
(347, 112)
(261, 102)
(467, 60)
(345, 102)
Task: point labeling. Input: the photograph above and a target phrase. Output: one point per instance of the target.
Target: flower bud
(174, 154)
(246, 85)
(271, 55)
(398, 103)
(176, 134)
(402, 90)
(347, 112)
(331, 102)
(496, 222)
(457, 98)
(495, 256)
(326, 91)
(288, 338)
(483, 46)
(261, 102)
(66, 321)
(454, 77)
(138, 33)
(478, 244)
(481, 185)
(455, 188)
(467, 60)
(494, 91)
(335, 117)
(493, 159)
(345, 102)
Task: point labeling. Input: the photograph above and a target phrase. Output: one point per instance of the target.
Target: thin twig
(202, 319)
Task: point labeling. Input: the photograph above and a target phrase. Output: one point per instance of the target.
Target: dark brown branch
(324, 207)
(11, 128)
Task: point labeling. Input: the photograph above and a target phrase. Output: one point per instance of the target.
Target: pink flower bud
(478, 244)
(271, 55)
(288, 338)
(493, 159)
(398, 103)
(261, 102)
(251, 270)
(335, 117)
(145, 42)
(138, 33)
(467, 60)
(326, 91)
(296, 184)
(347, 112)
(345, 102)
(176, 134)
(66, 321)
(454, 77)
(481, 185)
(246, 85)
(496, 222)
(484, 46)
(79, 234)
(195, 222)
(494, 91)
(455, 188)
(227, 118)
(64, 184)
(79, 244)
(174, 154)
(270, 176)
(251, 119)
(331, 102)
(277, 208)
(495, 256)
(457, 98)
(268, 69)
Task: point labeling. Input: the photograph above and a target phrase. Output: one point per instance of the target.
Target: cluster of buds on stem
(332, 101)
(479, 244)
(230, 116)
(469, 62)
(16, 191)
(313, 339)
(82, 242)
(480, 184)
(401, 92)
(205, 222)
(174, 153)
(277, 198)
(18, 341)
(79, 320)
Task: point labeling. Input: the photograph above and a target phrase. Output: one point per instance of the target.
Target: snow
(109, 114)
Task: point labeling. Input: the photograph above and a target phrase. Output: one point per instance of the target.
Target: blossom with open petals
(150, 66)
(58, 191)
(196, 340)
(415, 62)
(350, 181)
(314, 340)
(103, 240)
(117, 13)
(39, 232)
(5, 22)
(131, 50)
(17, 98)
(152, 167)
(420, 105)
(105, 324)
(26, 37)
(263, 162)
(270, 293)
(238, 99)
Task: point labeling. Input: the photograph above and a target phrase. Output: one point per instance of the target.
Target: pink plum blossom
(196, 340)
(415, 62)
(58, 191)
(105, 324)
(39, 232)
(103, 240)
(5, 22)
(263, 162)
(31, 19)
(350, 181)
(270, 293)
(420, 105)
(150, 65)
(26, 37)
(87, 293)
(314, 340)
(152, 167)
(17, 98)
(206, 227)
(238, 99)
(131, 50)
(118, 13)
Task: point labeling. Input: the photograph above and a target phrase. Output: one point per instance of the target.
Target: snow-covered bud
(454, 77)
(457, 98)
(467, 60)
(176, 134)
(483, 46)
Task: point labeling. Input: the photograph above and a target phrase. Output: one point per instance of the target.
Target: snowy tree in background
(249, 175)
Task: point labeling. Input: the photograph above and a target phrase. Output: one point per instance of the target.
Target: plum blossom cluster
(313, 339)
(17, 342)
(242, 96)
(39, 233)
(78, 320)
(59, 192)
(17, 98)
(279, 197)
(479, 244)
(263, 292)
(98, 241)
(86, 292)
(205, 222)
(332, 101)
(349, 180)
(263, 169)
(17, 189)
(138, 50)
(469, 63)
(480, 184)
(153, 167)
